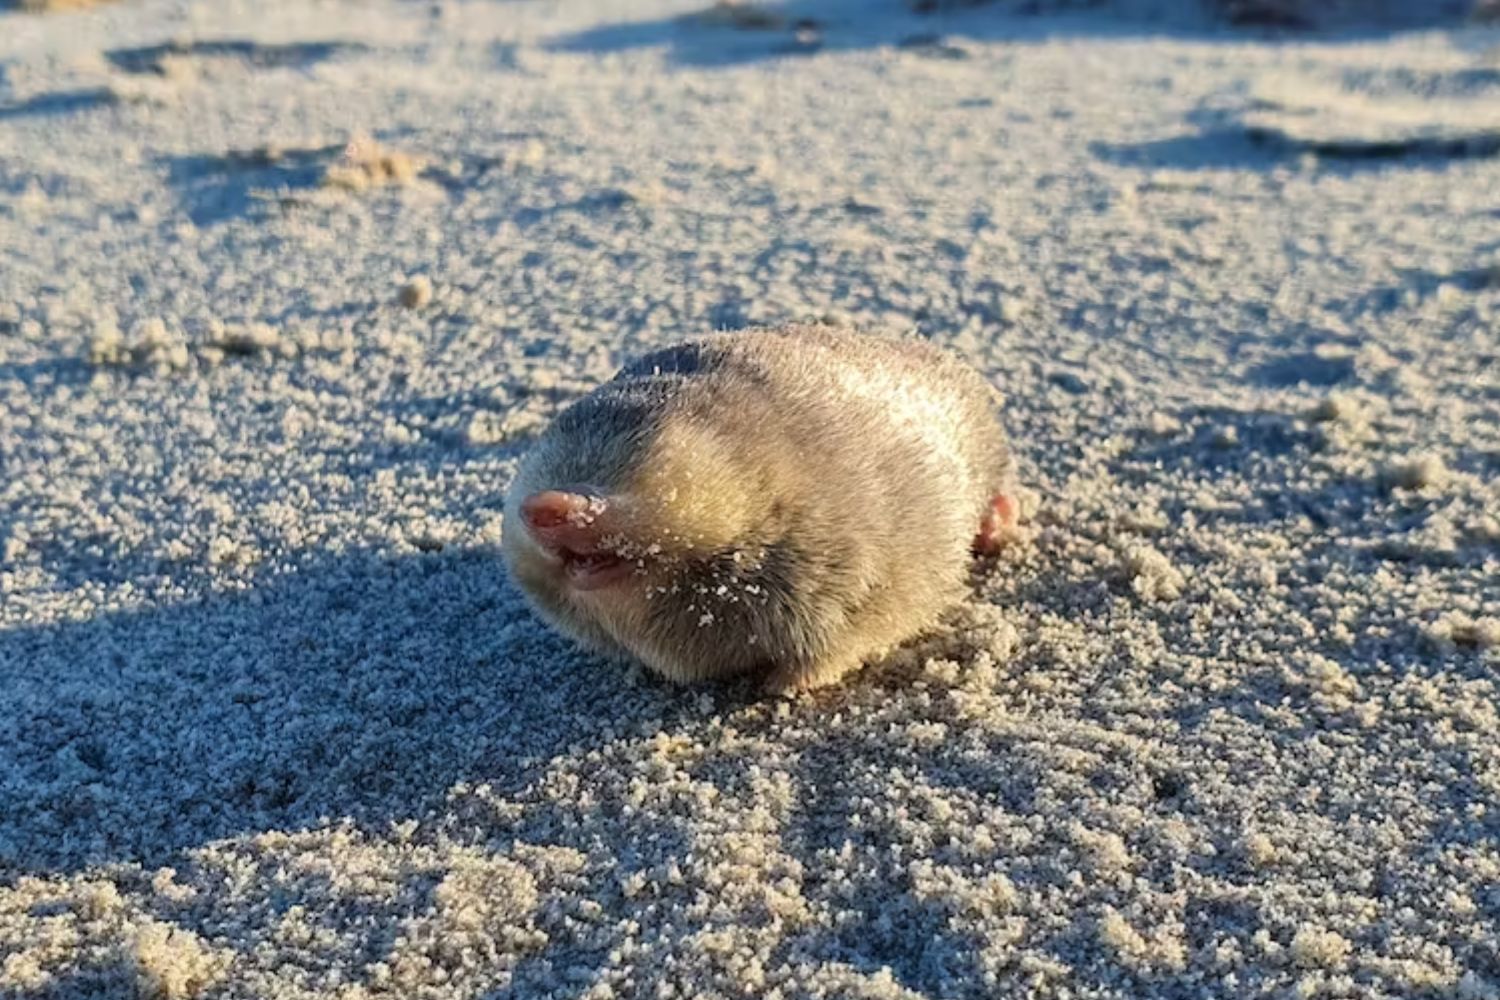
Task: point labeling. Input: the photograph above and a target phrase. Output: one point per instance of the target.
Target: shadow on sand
(217, 188)
(359, 686)
(62, 102)
(256, 55)
(716, 36)
(156, 60)
(1218, 142)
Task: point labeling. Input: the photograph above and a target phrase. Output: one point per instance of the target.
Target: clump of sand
(1455, 629)
(1162, 425)
(481, 923)
(365, 163)
(172, 963)
(153, 346)
(1152, 575)
(1419, 472)
(95, 942)
(1162, 950)
(1315, 947)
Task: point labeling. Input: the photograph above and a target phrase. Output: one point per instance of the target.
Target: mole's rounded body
(790, 501)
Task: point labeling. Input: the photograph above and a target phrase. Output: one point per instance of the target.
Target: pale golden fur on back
(799, 498)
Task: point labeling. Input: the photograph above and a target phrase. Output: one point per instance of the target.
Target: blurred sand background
(273, 723)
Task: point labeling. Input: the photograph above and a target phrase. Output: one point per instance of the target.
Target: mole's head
(596, 531)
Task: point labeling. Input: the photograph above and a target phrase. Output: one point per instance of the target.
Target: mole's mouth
(593, 570)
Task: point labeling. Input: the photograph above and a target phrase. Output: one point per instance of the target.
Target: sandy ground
(273, 723)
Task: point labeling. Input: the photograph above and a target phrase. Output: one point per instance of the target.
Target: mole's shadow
(361, 686)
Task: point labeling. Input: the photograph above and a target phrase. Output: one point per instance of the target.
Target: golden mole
(791, 501)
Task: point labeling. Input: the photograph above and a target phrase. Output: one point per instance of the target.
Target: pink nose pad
(560, 519)
(550, 508)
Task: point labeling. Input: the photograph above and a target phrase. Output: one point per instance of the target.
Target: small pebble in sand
(417, 292)
(1336, 408)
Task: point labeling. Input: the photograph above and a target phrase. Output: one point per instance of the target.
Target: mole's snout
(551, 509)
(565, 519)
(572, 527)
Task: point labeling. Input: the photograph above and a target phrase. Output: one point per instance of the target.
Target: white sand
(273, 724)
